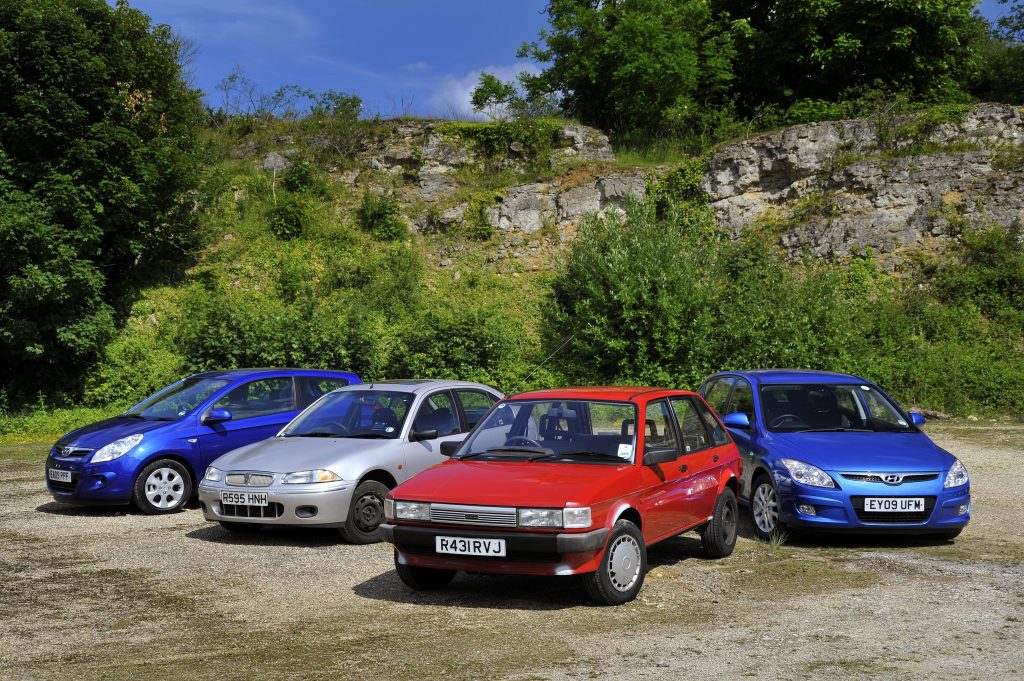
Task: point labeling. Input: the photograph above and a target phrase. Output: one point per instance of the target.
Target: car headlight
(319, 475)
(412, 510)
(576, 517)
(213, 474)
(116, 449)
(540, 517)
(806, 474)
(956, 476)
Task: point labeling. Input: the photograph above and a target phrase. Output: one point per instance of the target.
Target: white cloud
(416, 66)
(452, 95)
(241, 20)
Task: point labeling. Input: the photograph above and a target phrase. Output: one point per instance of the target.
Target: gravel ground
(115, 594)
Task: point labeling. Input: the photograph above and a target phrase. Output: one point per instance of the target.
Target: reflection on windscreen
(828, 407)
(178, 399)
(557, 430)
(365, 414)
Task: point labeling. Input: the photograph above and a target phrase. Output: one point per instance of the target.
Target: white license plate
(244, 498)
(468, 546)
(893, 504)
(60, 476)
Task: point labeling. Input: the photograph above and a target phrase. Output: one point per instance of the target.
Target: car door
(662, 501)
(473, 405)
(435, 411)
(259, 409)
(700, 463)
(716, 393)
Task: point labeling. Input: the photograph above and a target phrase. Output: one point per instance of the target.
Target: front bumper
(107, 483)
(321, 504)
(528, 553)
(842, 509)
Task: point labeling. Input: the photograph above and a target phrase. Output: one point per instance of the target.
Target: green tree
(97, 154)
(635, 65)
(821, 49)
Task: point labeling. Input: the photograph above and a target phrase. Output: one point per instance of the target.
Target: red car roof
(601, 392)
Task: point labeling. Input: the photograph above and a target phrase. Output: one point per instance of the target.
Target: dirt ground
(115, 594)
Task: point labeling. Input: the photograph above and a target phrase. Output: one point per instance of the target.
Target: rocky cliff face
(891, 186)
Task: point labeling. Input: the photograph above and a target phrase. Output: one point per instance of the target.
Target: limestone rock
(275, 162)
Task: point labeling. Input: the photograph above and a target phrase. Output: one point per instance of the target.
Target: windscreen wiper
(836, 430)
(315, 433)
(542, 451)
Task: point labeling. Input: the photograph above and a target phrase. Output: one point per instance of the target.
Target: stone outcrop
(890, 186)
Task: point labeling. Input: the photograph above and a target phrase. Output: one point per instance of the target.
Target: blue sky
(401, 56)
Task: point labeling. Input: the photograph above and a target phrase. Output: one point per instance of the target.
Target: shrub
(288, 216)
(379, 215)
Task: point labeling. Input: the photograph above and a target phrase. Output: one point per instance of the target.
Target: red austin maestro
(563, 482)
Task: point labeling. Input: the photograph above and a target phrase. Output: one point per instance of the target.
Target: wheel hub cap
(624, 563)
(164, 488)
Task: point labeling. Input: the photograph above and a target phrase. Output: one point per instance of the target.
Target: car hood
(867, 452)
(288, 454)
(102, 433)
(514, 483)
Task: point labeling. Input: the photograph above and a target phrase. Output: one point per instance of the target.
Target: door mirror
(417, 435)
(218, 415)
(737, 419)
(656, 455)
(918, 420)
(449, 447)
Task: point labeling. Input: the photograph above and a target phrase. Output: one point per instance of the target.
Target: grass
(46, 425)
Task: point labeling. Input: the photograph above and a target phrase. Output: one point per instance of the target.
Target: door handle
(682, 469)
(715, 458)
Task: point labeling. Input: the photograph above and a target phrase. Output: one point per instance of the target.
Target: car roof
(235, 374)
(416, 385)
(601, 392)
(775, 376)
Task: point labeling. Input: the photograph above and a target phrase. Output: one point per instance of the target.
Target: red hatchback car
(562, 482)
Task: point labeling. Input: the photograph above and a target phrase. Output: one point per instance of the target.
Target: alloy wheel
(765, 507)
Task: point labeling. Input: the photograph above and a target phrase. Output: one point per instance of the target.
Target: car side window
(718, 434)
(718, 393)
(475, 404)
(261, 397)
(742, 399)
(312, 388)
(437, 412)
(695, 437)
(658, 429)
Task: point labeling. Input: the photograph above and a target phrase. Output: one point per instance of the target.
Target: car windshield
(177, 399)
(578, 431)
(815, 407)
(366, 414)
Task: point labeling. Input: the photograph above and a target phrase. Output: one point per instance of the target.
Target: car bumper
(838, 510)
(528, 553)
(109, 483)
(322, 505)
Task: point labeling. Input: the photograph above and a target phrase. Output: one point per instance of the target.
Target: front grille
(877, 477)
(249, 479)
(486, 516)
(65, 486)
(906, 518)
(71, 452)
(273, 510)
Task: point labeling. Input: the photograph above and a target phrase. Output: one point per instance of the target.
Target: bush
(379, 216)
(303, 176)
(288, 216)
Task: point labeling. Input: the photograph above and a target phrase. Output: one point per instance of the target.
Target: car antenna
(546, 359)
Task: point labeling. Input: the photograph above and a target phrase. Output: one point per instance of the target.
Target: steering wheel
(520, 441)
(784, 418)
(336, 427)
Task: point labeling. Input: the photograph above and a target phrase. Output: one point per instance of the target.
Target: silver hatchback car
(333, 465)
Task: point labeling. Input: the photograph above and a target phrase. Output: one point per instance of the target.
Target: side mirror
(918, 420)
(218, 415)
(449, 447)
(656, 455)
(737, 419)
(417, 435)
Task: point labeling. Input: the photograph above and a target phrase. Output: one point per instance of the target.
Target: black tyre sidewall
(139, 491)
(598, 584)
(714, 545)
(351, 532)
(423, 579)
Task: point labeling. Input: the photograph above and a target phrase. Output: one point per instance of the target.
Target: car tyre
(421, 578)
(240, 528)
(620, 573)
(718, 537)
(164, 486)
(764, 509)
(362, 526)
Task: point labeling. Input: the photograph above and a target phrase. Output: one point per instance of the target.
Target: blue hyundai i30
(154, 453)
(833, 452)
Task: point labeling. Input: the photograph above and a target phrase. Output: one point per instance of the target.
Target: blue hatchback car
(154, 453)
(832, 452)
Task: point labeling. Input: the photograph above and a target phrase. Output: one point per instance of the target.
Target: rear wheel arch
(734, 484)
